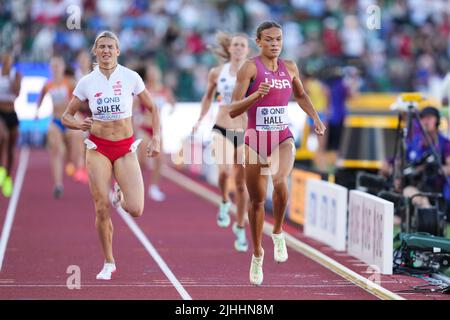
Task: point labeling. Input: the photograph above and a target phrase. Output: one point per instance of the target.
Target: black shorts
(235, 136)
(10, 119)
(334, 136)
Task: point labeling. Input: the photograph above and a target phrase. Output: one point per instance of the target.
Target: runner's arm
(147, 101)
(240, 103)
(302, 98)
(16, 83)
(171, 99)
(208, 97)
(69, 120)
(153, 148)
(40, 99)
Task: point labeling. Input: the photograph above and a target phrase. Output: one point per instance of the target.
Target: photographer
(423, 173)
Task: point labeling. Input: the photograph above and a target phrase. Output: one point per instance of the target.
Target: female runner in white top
(228, 138)
(109, 90)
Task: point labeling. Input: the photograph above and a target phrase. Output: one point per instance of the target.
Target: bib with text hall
(272, 118)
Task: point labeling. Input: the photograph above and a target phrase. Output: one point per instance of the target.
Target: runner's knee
(257, 204)
(240, 185)
(224, 174)
(279, 183)
(134, 211)
(102, 208)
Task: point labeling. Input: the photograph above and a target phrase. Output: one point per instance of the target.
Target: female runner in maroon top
(263, 88)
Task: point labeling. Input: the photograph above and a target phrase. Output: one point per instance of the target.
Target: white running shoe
(256, 270)
(279, 247)
(155, 193)
(116, 196)
(107, 271)
(240, 244)
(223, 217)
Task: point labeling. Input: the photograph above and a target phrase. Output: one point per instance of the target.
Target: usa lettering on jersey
(278, 83)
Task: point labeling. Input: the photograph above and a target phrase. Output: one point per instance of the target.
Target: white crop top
(6, 81)
(111, 99)
(225, 84)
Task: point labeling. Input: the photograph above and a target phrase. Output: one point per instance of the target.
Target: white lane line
(153, 253)
(169, 286)
(11, 211)
(294, 243)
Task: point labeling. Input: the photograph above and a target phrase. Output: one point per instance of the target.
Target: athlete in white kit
(228, 137)
(109, 91)
(10, 81)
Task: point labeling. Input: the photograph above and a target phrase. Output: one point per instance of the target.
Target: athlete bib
(272, 118)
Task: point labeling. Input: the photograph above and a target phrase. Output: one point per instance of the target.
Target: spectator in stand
(37, 30)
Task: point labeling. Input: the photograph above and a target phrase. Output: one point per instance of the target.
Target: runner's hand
(86, 124)
(263, 89)
(319, 127)
(153, 147)
(195, 128)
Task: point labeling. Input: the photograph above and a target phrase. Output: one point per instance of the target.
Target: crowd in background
(411, 50)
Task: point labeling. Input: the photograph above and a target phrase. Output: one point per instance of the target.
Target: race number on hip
(272, 118)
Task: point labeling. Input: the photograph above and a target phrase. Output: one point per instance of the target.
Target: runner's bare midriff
(6, 106)
(58, 110)
(113, 130)
(224, 120)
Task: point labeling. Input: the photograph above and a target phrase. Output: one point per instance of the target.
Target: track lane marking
(12, 206)
(153, 253)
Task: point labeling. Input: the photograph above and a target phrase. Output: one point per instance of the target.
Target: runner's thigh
(99, 170)
(128, 174)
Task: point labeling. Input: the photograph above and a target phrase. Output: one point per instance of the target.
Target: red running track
(50, 235)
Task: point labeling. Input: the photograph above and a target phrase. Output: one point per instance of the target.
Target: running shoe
(279, 247)
(3, 175)
(156, 194)
(240, 244)
(107, 271)
(7, 187)
(223, 217)
(57, 192)
(256, 270)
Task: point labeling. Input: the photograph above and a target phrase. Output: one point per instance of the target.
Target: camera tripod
(403, 136)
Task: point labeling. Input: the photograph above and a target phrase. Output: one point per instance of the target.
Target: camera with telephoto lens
(431, 220)
(419, 171)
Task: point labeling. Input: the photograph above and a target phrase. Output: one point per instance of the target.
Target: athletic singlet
(112, 99)
(60, 92)
(225, 84)
(268, 117)
(6, 94)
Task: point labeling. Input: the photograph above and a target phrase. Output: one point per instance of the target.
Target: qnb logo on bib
(278, 83)
(272, 118)
(108, 108)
